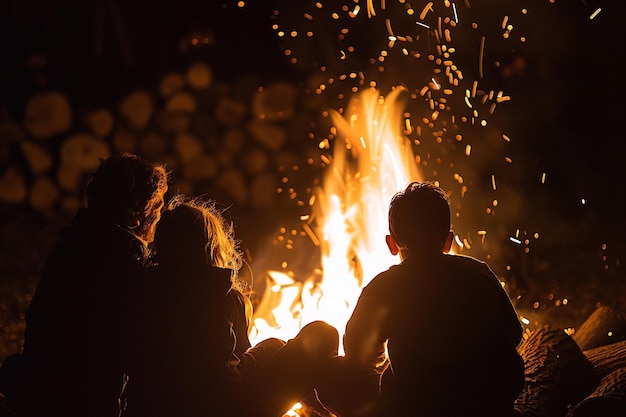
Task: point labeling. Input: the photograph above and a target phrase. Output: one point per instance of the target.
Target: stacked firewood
(230, 137)
(578, 375)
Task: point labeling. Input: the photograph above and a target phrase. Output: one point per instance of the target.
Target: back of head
(419, 217)
(193, 231)
(129, 191)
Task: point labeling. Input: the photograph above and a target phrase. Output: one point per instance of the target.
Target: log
(44, 194)
(181, 102)
(232, 181)
(70, 178)
(231, 113)
(47, 114)
(608, 358)
(100, 122)
(187, 146)
(13, 186)
(234, 140)
(203, 124)
(199, 76)
(153, 145)
(84, 151)
(604, 326)
(607, 400)
(201, 168)
(170, 122)
(275, 102)
(70, 204)
(39, 160)
(171, 83)
(124, 141)
(137, 109)
(557, 374)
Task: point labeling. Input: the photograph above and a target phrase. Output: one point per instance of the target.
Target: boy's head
(419, 218)
(129, 191)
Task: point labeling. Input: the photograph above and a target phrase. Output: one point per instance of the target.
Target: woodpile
(582, 375)
(224, 140)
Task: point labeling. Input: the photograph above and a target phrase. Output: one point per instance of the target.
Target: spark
(515, 240)
(370, 8)
(595, 13)
(481, 56)
(427, 8)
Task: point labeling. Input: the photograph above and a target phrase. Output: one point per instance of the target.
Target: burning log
(558, 374)
(603, 327)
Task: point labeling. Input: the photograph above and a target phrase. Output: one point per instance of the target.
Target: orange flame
(372, 160)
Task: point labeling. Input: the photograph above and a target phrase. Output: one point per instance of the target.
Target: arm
(365, 339)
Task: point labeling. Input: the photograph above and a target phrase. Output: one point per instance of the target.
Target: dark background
(565, 119)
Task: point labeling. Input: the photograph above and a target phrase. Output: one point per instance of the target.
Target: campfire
(372, 160)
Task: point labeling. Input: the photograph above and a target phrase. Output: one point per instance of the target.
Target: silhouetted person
(439, 327)
(192, 354)
(76, 325)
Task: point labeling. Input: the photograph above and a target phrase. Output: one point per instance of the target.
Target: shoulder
(384, 282)
(467, 263)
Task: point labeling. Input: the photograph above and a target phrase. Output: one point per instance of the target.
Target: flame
(372, 160)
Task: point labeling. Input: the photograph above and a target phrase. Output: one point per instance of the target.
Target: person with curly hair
(76, 336)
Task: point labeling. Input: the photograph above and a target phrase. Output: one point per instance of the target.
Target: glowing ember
(372, 160)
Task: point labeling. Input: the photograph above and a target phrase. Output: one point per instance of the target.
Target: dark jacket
(451, 334)
(76, 324)
(189, 324)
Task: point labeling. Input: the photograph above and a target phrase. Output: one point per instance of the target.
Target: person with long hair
(193, 356)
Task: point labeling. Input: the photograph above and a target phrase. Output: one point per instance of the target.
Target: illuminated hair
(126, 190)
(194, 230)
(419, 217)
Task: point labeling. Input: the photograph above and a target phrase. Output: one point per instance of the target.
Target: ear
(447, 245)
(392, 245)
